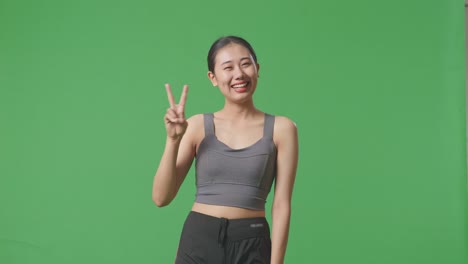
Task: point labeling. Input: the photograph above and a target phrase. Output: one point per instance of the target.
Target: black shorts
(210, 240)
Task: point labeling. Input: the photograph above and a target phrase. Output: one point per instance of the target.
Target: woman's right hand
(175, 115)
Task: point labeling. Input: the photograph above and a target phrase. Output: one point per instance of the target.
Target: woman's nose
(238, 73)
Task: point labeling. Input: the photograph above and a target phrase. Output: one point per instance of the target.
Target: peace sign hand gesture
(175, 115)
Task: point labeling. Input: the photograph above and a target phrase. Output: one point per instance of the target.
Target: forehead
(232, 52)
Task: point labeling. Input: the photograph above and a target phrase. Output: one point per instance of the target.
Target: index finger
(170, 96)
(183, 98)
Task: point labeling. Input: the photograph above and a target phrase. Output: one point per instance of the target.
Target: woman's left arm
(287, 157)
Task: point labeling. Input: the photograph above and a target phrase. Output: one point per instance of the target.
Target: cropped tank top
(235, 177)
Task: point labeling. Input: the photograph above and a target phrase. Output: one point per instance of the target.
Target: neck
(239, 111)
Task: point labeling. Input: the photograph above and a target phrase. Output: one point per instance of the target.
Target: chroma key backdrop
(376, 88)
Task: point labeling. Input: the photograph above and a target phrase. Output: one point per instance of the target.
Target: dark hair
(224, 41)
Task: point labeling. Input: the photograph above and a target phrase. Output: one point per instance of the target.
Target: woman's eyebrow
(229, 61)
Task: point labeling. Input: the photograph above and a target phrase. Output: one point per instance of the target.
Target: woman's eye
(228, 68)
(246, 64)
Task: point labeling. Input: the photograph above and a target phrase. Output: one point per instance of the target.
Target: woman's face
(235, 72)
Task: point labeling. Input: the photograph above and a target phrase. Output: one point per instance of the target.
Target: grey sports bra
(235, 177)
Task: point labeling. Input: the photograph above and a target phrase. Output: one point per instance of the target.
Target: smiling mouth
(240, 85)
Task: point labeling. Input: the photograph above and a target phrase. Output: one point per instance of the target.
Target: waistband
(227, 230)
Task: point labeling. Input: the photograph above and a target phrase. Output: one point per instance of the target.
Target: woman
(239, 151)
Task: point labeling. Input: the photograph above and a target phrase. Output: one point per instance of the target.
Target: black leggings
(210, 240)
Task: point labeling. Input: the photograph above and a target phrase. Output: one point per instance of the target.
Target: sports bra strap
(208, 122)
(268, 126)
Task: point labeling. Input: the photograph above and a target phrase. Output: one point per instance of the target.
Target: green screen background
(377, 89)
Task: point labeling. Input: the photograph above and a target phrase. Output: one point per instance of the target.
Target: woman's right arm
(179, 151)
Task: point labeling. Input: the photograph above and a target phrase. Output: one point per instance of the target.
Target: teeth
(239, 85)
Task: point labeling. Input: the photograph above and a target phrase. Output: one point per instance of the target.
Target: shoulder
(195, 129)
(285, 130)
(195, 123)
(284, 125)
(195, 119)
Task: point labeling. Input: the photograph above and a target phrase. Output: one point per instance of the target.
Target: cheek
(224, 79)
(253, 72)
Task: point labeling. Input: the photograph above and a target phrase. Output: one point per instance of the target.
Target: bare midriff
(228, 212)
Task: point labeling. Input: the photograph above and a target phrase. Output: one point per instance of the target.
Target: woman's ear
(212, 78)
(258, 69)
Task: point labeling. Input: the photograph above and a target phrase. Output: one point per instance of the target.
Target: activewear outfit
(230, 177)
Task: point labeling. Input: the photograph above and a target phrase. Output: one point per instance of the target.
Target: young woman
(239, 152)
